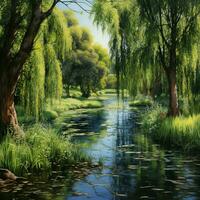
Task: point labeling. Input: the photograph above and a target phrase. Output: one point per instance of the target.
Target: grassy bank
(41, 149)
(141, 100)
(54, 108)
(181, 132)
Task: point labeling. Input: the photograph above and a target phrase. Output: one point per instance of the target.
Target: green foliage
(42, 77)
(41, 149)
(106, 15)
(152, 119)
(87, 65)
(31, 86)
(71, 18)
(57, 34)
(182, 132)
(53, 82)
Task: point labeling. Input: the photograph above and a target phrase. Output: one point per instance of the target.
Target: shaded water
(133, 167)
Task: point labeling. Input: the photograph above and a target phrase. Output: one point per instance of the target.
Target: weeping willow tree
(152, 39)
(176, 26)
(20, 22)
(42, 76)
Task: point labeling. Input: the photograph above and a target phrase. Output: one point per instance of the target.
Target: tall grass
(41, 149)
(182, 132)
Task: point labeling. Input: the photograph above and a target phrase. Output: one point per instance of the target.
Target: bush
(49, 115)
(152, 118)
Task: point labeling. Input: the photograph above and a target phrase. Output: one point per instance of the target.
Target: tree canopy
(88, 63)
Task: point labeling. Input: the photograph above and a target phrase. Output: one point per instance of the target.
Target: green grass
(73, 104)
(49, 115)
(180, 132)
(109, 91)
(53, 109)
(75, 93)
(40, 149)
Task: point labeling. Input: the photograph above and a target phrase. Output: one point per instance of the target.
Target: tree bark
(173, 109)
(8, 116)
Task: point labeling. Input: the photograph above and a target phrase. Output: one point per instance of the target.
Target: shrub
(152, 118)
(49, 115)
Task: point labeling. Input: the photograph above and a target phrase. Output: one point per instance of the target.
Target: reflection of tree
(89, 122)
(144, 169)
(124, 126)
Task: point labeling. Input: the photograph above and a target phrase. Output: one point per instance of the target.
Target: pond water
(133, 167)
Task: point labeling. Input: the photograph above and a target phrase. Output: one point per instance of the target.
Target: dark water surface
(133, 167)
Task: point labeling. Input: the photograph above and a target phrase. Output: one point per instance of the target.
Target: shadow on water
(133, 166)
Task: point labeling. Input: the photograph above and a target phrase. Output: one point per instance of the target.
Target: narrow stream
(133, 167)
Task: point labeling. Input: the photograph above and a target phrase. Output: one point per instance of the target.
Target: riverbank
(182, 132)
(43, 146)
(54, 108)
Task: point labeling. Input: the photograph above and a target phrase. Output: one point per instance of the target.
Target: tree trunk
(8, 116)
(85, 90)
(173, 109)
(68, 91)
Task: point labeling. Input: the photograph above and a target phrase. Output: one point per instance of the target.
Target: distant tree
(88, 63)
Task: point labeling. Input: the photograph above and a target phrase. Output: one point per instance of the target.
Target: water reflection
(134, 167)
